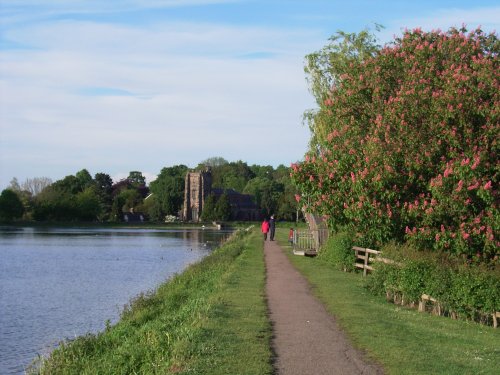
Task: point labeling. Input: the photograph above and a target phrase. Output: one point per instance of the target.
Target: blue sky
(114, 86)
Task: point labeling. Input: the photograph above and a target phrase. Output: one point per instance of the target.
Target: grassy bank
(404, 341)
(211, 319)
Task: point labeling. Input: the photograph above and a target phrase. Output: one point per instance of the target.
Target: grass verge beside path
(404, 341)
(211, 319)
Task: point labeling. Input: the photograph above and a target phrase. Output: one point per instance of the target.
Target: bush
(469, 291)
(338, 252)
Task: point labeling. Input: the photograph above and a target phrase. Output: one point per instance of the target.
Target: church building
(198, 186)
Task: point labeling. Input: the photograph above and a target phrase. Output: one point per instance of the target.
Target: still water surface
(58, 283)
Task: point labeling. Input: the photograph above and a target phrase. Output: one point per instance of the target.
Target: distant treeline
(81, 197)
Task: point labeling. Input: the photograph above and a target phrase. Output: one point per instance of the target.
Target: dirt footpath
(306, 340)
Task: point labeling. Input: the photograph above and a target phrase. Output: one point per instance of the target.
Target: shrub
(338, 252)
(470, 291)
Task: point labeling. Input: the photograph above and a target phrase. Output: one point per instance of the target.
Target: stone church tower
(198, 186)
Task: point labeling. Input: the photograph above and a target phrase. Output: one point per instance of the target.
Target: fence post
(365, 268)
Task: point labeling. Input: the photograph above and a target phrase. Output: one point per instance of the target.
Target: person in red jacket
(265, 228)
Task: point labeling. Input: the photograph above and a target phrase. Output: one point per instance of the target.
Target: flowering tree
(405, 141)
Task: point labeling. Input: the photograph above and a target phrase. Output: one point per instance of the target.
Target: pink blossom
(473, 186)
(297, 197)
(465, 235)
(353, 177)
(477, 159)
(311, 178)
(460, 184)
(437, 237)
(487, 186)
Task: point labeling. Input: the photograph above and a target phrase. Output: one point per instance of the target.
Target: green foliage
(338, 251)
(267, 193)
(11, 206)
(216, 208)
(68, 199)
(88, 205)
(208, 213)
(405, 140)
(126, 200)
(103, 188)
(470, 290)
(198, 322)
(222, 208)
(168, 190)
(136, 178)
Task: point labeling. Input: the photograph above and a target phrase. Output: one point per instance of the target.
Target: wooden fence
(364, 259)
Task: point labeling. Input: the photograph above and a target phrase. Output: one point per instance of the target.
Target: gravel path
(307, 339)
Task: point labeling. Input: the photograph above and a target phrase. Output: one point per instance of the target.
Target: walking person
(290, 236)
(272, 228)
(265, 228)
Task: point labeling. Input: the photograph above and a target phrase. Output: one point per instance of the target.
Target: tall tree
(222, 208)
(209, 212)
(136, 178)
(103, 188)
(11, 206)
(168, 189)
(405, 144)
(213, 162)
(84, 179)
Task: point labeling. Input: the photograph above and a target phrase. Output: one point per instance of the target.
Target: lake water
(60, 283)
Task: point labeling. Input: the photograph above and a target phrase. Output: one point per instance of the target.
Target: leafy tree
(288, 208)
(264, 171)
(168, 189)
(118, 206)
(209, 213)
(131, 199)
(11, 206)
(222, 208)
(266, 193)
(84, 179)
(136, 178)
(152, 207)
(88, 205)
(256, 187)
(405, 141)
(55, 204)
(103, 185)
(213, 162)
(74, 184)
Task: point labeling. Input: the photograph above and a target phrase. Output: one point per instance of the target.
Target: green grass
(211, 319)
(402, 340)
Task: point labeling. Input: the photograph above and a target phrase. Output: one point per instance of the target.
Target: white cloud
(192, 96)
